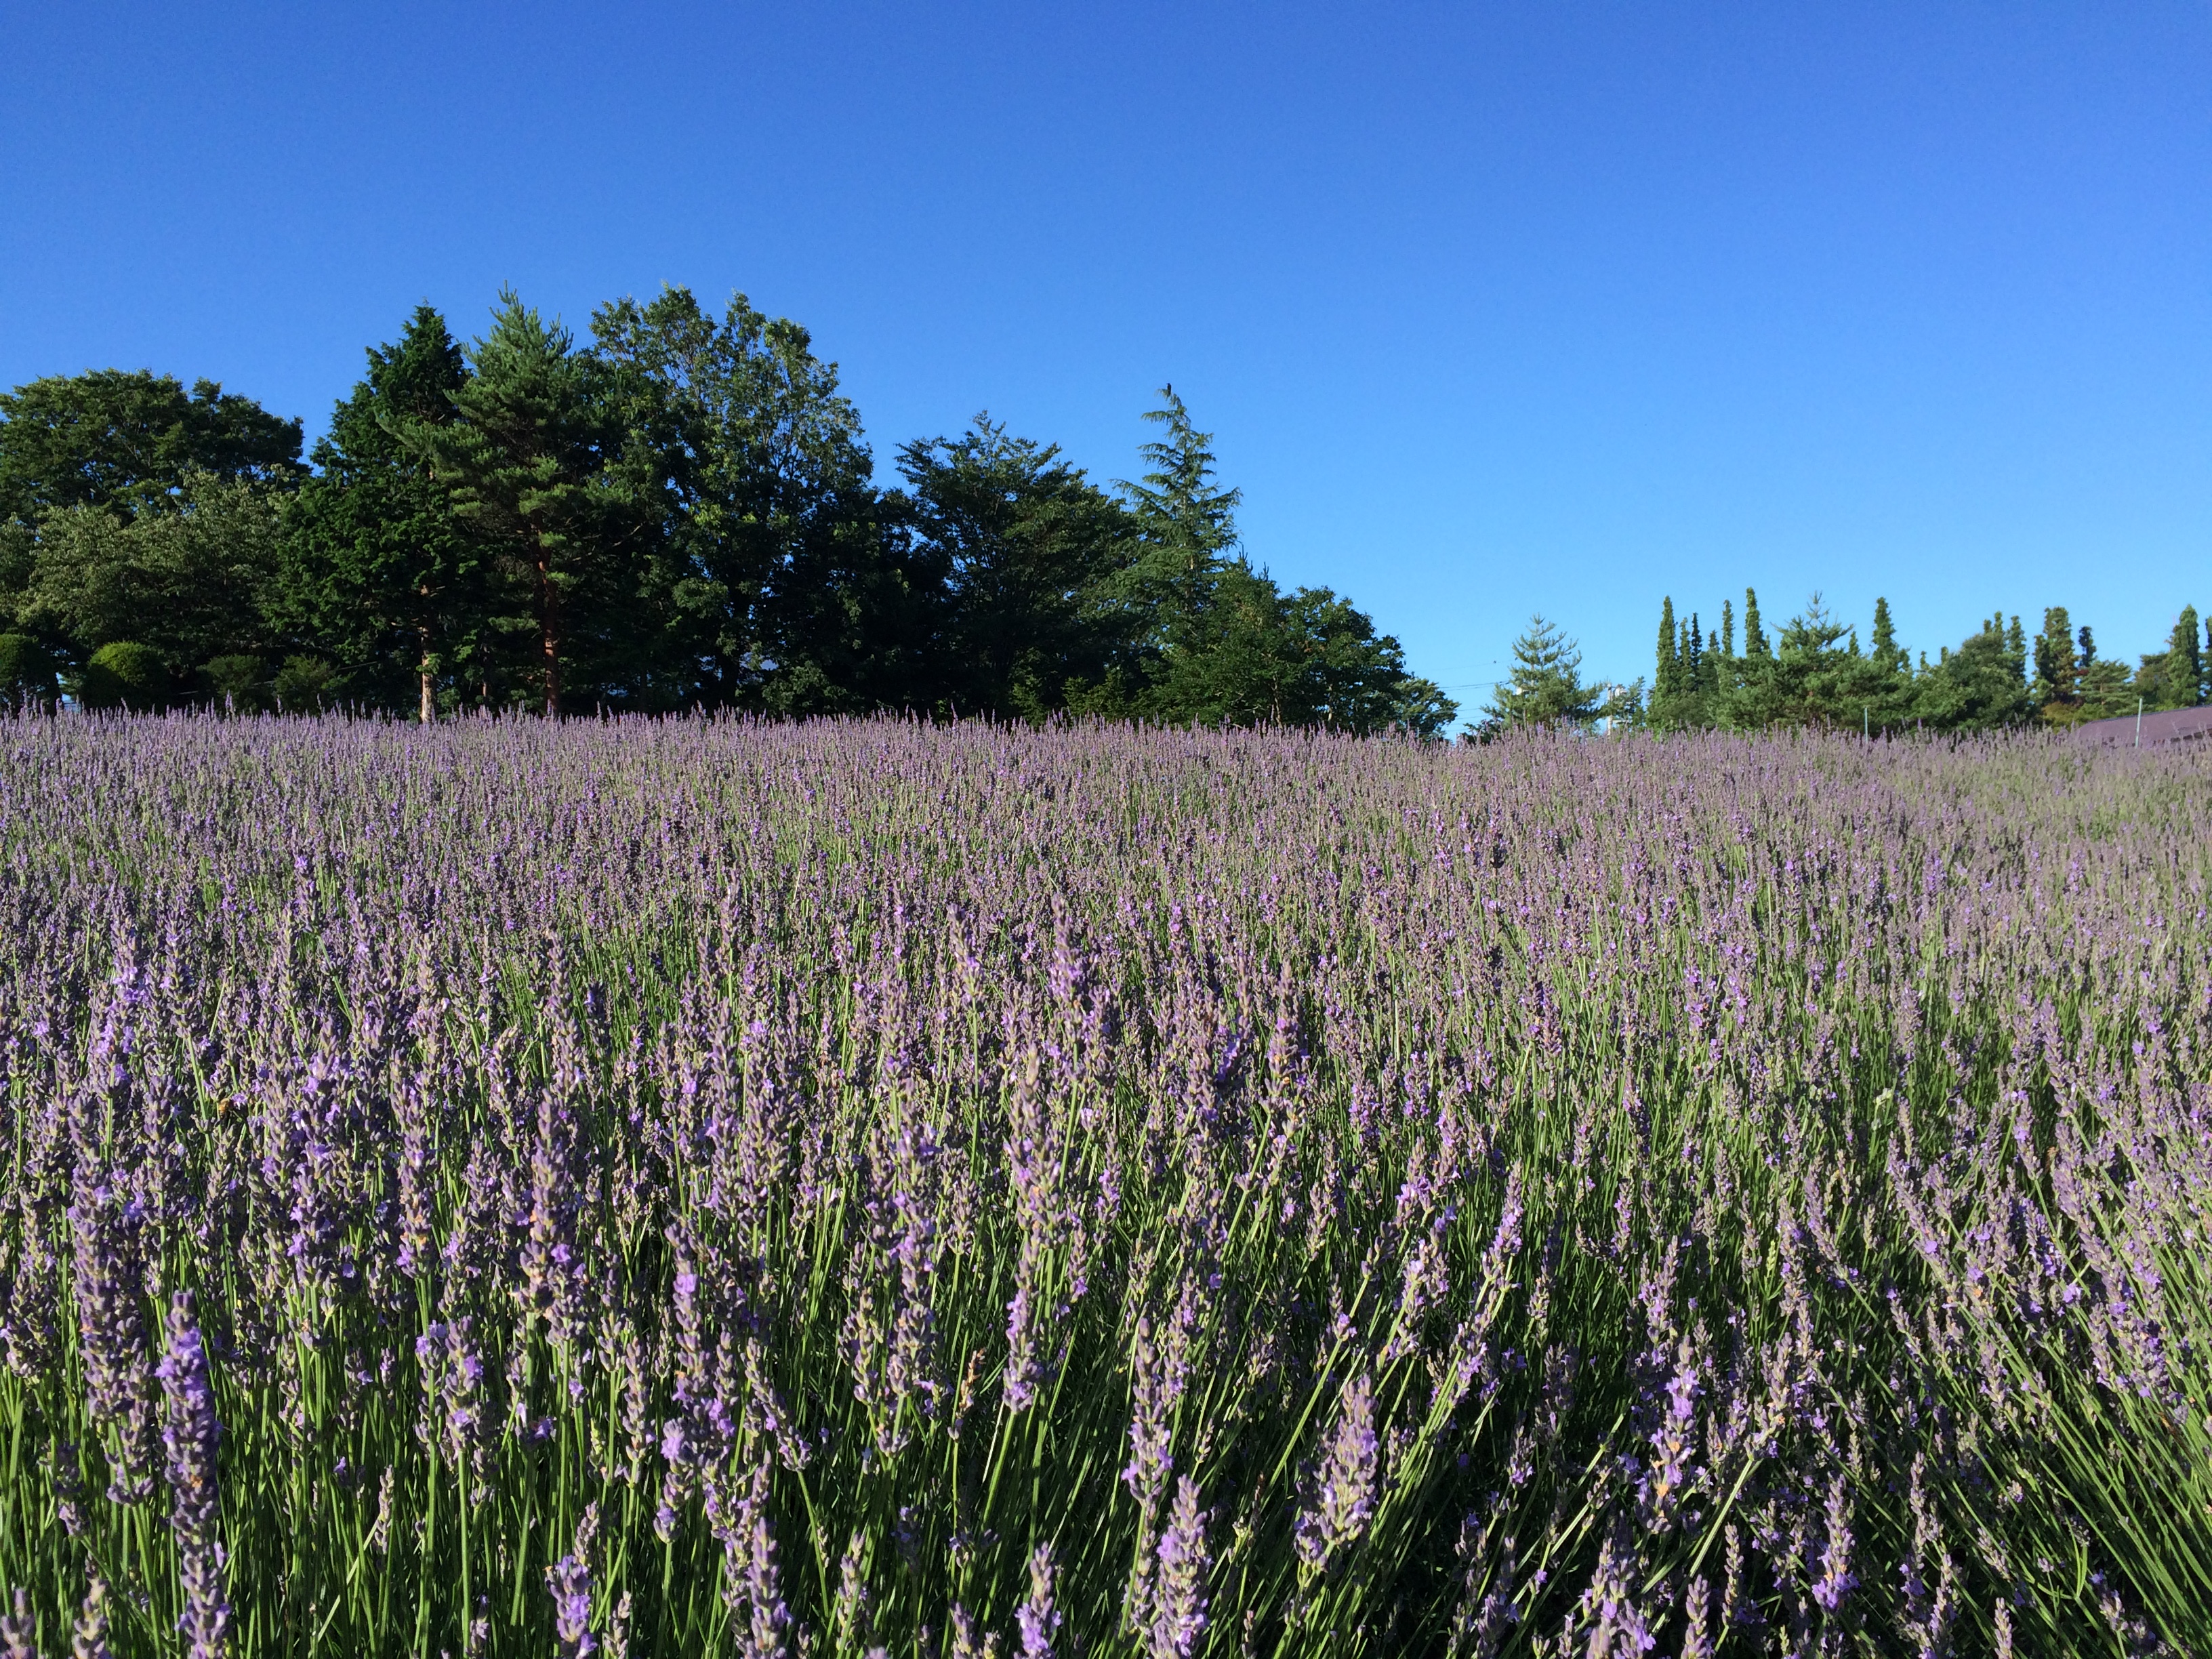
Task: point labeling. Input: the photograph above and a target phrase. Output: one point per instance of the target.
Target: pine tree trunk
(429, 708)
(549, 637)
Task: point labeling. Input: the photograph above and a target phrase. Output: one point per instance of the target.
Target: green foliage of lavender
(708, 1187)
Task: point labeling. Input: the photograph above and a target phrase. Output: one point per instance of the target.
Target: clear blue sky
(1492, 308)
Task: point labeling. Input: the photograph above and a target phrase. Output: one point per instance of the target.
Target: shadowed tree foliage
(768, 555)
(192, 582)
(1023, 552)
(530, 462)
(385, 575)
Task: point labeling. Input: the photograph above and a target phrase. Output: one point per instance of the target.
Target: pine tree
(1189, 524)
(520, 460)
(1663, 675)
(1728, 629)
(384, 574)
(1887, 653)
(1546, 688)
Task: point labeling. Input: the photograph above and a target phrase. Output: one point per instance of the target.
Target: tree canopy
(681, 510)
(1816, 672)
(678, 511)
(130, 440)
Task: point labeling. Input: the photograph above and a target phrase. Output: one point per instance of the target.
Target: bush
(237, 681)
(124, 675)
(27, 671)
(305, 684)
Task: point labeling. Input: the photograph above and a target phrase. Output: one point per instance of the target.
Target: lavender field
(705, 1187)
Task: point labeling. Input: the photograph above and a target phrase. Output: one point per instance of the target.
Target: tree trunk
(549, 637)
(429, 708)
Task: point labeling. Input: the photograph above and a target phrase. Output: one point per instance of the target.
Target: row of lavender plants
(711, 1189)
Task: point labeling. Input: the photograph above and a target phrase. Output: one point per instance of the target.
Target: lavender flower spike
(1179, 1598)
(190, 1437)
(89, 1640)
(1038, 1619)
(1343, 1497)
(19, 1632)
(570, 1579)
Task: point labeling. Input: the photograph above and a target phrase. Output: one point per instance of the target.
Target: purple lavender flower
(19, 1631)
(1179, 1595)
(1036, 1618)
(191, 1437)
(849, 1616)
(111, 1288)
(569, 1581)
(1342, 1497)
(750, 1583)
(453, 1394)
(1836, 1580)
(1609, 1624)
(89, 1640)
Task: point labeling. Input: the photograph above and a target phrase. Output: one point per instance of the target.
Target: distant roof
(2167, 726)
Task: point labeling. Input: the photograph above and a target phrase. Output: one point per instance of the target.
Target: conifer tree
(1187, 524)
(1888, 653)
(1755, 638)
(520, 460)
(1545, 687)
(385, 575)
(2056, 690)
(2186, 662)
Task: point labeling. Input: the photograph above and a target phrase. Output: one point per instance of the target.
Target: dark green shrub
(238, 681)
(305, 685)
(27, 671)
(124, 675)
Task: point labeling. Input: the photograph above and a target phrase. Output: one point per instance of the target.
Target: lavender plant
(706, 1187)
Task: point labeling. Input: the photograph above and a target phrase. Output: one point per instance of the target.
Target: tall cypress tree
(1754, 637)
(1667, 672)
(2185, 673)
(1709, 673)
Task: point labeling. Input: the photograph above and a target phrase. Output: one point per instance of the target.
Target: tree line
(680, 512)
(1814, 671)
